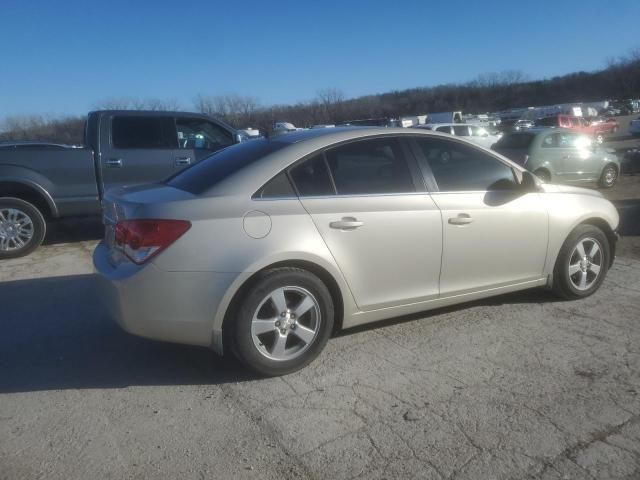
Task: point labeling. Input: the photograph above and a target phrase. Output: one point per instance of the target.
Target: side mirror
(528, 181)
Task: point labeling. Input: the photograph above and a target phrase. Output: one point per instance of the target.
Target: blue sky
(63, 57)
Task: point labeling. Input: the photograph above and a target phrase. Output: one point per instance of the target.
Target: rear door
(494, 233)
(137, 149)
(382, 228)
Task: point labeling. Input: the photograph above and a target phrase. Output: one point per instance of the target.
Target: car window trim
(414, 170)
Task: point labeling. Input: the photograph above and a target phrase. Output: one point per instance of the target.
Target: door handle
(114, 163)
(347, 223)
(461, 219)
(182, 161)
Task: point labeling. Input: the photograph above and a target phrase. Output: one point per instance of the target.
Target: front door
(385, 235)
(494, 232)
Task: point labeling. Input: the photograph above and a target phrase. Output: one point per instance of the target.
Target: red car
(597, 127)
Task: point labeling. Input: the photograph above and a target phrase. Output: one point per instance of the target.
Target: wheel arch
(328, 278)
(30, 192)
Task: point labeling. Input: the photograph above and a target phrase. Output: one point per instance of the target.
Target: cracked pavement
(517, 386)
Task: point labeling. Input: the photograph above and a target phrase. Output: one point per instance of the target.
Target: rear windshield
(520, 140)
(206, 173)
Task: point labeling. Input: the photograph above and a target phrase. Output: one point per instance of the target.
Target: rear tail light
(143, 239)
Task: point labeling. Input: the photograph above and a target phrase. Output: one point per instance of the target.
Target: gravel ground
(519, 386)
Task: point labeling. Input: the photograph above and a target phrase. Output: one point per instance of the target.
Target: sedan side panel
(491, 239)
(393, 257)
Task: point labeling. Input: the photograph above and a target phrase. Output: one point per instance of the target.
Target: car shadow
(55, 335)
(80, 229)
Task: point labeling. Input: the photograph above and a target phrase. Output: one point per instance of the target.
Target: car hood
(555, 188)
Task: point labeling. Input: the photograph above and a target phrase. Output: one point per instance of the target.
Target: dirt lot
(520, 386)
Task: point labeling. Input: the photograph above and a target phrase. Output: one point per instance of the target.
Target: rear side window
(278, 187)
(311, 177)
(130, 132)
(205, 174)
(444, 129)
(370, 167)
(458, 167)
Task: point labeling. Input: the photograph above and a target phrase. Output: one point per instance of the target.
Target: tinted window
(143, 132)
(215, 168)
(459, 167)
(444, 129)
(370, 166)
(279, 186)
(461, 130)
(516, 140)
(195, 133)
(311, 177)
(547, 122)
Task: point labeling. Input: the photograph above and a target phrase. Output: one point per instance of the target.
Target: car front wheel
(582, 263)
(283, 322)
(22, 228)
(608, 177)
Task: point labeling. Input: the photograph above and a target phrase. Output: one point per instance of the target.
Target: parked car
(634, 127)
(563, 156)
(523, 125)
(267, 247)
(474, 133)
(40, 181)
(597, 128)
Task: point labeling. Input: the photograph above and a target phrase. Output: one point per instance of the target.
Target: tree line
(487, 93)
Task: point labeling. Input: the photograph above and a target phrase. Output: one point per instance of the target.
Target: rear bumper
(149, 302)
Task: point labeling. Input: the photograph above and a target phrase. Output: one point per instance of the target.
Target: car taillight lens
(143, 239)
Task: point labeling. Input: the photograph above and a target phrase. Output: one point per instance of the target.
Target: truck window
(129, 132)
(196, 133)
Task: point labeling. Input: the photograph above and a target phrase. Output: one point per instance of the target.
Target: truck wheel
(609, 176)
(22, 228)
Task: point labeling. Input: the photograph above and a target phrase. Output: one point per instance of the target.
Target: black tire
(243, 344)
(609, 176)
(37, 221)
(543, 175)
(563, 283)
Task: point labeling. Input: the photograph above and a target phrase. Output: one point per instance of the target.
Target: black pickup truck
(43, 181)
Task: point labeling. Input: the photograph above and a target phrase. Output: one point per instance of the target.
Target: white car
(474, 133)
(634, 127)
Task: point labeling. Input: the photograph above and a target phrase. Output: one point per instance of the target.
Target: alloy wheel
(16, 229)
(585, 263)
(286, 323)
(610, 175)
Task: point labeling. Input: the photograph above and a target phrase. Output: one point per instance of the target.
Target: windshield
(216, 167)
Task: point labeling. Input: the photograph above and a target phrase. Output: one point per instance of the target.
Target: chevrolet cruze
(267, 247)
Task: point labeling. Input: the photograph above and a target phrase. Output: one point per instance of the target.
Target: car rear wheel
(582, 263)
(609, 176)
(283, 322)
(22, 228)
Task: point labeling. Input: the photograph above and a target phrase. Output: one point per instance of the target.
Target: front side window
(195, 133)
(549, 141)
(130, 132)
(370, 167)
(458, 167)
